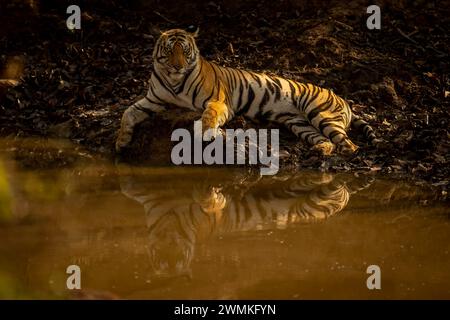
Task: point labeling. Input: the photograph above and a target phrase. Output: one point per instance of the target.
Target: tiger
(182, 78)
(178, 220)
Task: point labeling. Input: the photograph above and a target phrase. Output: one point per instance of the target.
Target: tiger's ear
(193, 31)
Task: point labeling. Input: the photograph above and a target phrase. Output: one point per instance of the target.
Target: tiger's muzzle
(177, 61)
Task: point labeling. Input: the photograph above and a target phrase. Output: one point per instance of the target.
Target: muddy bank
(76, 85)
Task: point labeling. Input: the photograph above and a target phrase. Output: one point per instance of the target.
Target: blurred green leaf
(5, 196)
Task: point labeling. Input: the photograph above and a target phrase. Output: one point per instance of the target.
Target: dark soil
(77, 84)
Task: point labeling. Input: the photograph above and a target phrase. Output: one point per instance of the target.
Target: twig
(345, 26)
(440, 53)
(408, 37)
(163, 17)
(357, 63)
(309, 27)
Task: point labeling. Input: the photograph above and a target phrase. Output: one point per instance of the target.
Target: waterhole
(205, 233)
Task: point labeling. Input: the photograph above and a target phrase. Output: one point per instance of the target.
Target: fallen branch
(163, 17)
(408, 37)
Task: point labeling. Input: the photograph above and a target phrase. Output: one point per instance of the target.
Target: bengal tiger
(183, 78)
(178, 220)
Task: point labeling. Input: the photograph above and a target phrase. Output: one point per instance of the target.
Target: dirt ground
(76, 84)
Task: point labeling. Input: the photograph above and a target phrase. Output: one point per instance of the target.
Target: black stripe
(264, 100)
(151, 101)
(299, 88)
(307, 135)
(181, 88)
(307, 92)
(277, 81)
(256, 77)
(243, 77)
(291, 86)
(232, 85)
(270, 86)
(268, 113)
(142, 109)
(315, 94)
(334, 134)
(225, 74)
(247, 211)
(317, 207)
(321, 107)
(261, 210)
(233, 75)
(207, 99)
(154, 93)
(216, 77)
(241, 91)
(179, 36)
(195, 93)
(196, 77)
(298, 123)
(326, 122)
(277, 92)
(237, 213)
(250, 98)
(284, 114)
(162, 83)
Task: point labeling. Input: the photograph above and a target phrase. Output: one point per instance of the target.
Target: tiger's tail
(357, 185)
(353, 184)
(359, 124)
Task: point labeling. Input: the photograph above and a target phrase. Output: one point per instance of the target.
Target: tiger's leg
(135, 114)
(312, 136)
(214, 116)
(331, 115)
(332, 125)
(339, 137)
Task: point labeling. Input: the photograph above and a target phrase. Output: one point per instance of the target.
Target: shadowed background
(76, 84)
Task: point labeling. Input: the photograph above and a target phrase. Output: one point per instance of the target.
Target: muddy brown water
(205, 233)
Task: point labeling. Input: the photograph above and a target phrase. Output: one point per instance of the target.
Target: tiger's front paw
(209, 119)
(122, 142)
(210, 125)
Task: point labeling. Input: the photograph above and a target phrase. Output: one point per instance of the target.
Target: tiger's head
(175, 53)
(173, 233)
(170, 245)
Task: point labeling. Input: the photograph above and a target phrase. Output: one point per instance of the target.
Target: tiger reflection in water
(177, 220)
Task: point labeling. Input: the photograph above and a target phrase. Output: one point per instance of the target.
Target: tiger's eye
(162, 59)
